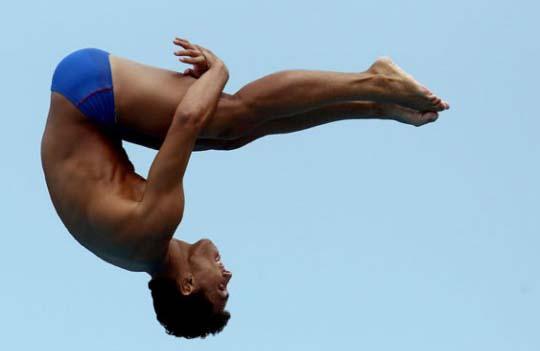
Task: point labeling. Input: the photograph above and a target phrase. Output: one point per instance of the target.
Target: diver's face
(209, 272)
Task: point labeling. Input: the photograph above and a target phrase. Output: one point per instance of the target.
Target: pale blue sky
(361, 235)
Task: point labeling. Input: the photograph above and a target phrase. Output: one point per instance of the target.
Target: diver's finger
(184, 43)
(192, 53)
(193, 60)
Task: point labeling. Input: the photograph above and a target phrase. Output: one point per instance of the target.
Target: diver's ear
(187, 285)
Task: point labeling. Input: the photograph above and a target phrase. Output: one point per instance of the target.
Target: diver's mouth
(224, 272)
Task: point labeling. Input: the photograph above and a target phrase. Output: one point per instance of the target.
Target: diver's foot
(397, 86)
(408, 115)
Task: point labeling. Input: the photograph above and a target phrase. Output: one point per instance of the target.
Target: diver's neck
(175, 261)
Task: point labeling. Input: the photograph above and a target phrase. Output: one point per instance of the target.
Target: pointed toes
(437, 104)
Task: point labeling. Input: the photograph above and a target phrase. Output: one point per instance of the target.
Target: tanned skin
(128, 220)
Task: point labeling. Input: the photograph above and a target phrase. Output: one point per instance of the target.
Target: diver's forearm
(167, 170)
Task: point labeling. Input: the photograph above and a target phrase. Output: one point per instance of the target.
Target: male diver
(98, 100)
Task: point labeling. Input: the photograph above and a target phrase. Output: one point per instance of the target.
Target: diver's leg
(319, 116)
(289, 93)
(283, 94)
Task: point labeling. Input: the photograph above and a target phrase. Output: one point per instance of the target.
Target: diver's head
(190, 293)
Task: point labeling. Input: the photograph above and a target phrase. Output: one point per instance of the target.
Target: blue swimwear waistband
(84, 78)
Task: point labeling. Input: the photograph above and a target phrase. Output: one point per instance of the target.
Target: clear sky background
(360, 235)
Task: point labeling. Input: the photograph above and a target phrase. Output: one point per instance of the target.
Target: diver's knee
(232, 119)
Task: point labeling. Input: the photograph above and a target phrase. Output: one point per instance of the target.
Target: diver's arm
(164, 192)
(193, 112)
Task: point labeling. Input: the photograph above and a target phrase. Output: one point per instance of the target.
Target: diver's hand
(201, 58)
(191, 55)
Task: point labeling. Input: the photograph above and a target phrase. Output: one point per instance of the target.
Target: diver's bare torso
(92, 183)
(87, 170)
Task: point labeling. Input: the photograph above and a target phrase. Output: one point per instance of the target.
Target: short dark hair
(189, 316)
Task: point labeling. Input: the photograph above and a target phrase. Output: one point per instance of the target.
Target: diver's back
(82, 166)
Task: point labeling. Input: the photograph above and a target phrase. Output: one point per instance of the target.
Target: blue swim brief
(84, 78)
